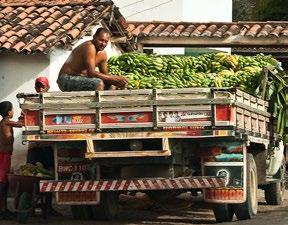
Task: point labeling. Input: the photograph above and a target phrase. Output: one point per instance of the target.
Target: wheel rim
(253, 189)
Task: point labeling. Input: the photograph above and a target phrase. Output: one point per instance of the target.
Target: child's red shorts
(5, 163)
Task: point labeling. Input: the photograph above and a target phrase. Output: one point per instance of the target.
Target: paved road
(140, 210)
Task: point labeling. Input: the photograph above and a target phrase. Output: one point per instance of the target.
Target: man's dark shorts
(77, 83)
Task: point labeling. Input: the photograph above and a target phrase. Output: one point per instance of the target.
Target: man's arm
(90, 59)
(90, 63)
(103, 65)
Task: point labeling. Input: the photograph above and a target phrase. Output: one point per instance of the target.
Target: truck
(219, 143)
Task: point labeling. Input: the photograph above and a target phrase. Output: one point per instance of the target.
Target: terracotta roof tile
(19, 46)
(28, 26)
(285, 31)
(25, 21)
(212, 31)
(41, 10)
(23, 15)
(131, 27)
(13, 39)
(233, 30)
(277, 31)
(147, 29)
(199, 30)
(167, 30)
(30, 9)
(56, 14)
(79, 26)
(188, 30)
(3, 39)
(157, 30)
(38, 20)
(252, 32)
(21, 32)
(74, 33)
(5, 28)
(138, 30)
(177, 31)
(219, 33)
(7, 10)
(265, 31)
(68, 26)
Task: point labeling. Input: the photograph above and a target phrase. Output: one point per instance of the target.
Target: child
(6, 149)
(39, 152)
(42, 84)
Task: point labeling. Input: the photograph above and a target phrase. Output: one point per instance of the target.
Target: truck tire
(108, 207)
(24, 204)
(223, 212)
(81, 212)
(248, 209)
(274, 192)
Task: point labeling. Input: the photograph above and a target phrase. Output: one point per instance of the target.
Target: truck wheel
(223, 212)
(108, 206)
(24, 204)
(81, 212)
(248, 209)
(274, 192)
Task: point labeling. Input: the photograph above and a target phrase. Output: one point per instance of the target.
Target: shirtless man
(78, 72)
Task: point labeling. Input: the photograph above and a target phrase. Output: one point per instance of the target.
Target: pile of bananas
(209, 70)
(37, 170)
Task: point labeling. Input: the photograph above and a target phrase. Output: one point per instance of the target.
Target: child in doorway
(6, 149)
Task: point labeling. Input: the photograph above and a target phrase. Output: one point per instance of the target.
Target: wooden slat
(125, 154)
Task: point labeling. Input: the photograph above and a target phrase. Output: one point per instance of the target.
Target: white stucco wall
(148, 10)
(18, 73)
(176, 11)
(207, 10)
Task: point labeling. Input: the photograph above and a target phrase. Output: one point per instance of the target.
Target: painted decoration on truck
(233, 174)
(183, 116)
(31, 117)
(69, 119)
(126, 117)
(71, 165)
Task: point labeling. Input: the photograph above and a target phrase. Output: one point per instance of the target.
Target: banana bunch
(34, 170)
(208, 70)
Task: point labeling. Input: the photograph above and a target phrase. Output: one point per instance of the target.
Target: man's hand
(118, 81)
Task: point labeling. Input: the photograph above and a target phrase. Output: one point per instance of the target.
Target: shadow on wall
(18, 70)
(19, 152)
(17, 74)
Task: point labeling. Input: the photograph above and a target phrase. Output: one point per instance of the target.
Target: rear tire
(274, 193)
(108, 206)
(81, 212)
(223, 212)
(24, 203)
(248, 209)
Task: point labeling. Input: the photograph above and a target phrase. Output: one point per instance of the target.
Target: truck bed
(150, 113)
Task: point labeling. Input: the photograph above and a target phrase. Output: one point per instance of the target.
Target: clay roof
(212, 33)
(29, 26)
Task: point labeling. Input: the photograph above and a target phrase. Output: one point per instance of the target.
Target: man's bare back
(82, 63)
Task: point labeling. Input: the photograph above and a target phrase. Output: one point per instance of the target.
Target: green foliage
(260, 10)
